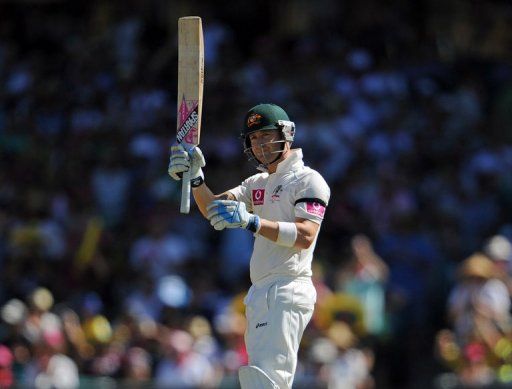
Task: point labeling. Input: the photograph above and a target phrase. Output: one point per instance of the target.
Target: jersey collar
(293, 162)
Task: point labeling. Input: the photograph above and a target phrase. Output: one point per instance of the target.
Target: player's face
(265, 144)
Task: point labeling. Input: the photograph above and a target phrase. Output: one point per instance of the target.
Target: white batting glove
(231, 214)
(182, 161)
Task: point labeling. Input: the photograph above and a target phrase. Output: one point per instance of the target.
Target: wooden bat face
(190, 80)
(190, 92)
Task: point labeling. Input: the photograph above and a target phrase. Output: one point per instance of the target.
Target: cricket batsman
(283, 206)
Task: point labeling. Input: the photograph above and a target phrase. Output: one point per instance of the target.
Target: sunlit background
(405, 107)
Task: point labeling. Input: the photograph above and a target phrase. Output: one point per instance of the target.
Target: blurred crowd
(404, 108)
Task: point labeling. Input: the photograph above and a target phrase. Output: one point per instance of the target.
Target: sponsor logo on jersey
(258, 325)
(275, 193)
(253, 119)
(315, 208)
(258, 196)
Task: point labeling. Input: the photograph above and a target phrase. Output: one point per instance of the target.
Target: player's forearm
(203, 196)
(269, 229)
(305, 234)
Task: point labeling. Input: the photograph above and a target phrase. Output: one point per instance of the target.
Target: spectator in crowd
(480, 324)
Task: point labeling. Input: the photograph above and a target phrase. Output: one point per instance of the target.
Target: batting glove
(182, 161)
(231, 214)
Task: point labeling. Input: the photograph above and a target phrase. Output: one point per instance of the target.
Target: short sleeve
(312, 198)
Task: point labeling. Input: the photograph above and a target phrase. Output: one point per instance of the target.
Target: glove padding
(182, 161)
(230, 214)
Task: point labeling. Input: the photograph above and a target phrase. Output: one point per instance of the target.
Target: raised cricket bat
(190, 91)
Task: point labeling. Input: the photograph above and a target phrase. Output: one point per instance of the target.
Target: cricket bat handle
(185, 193)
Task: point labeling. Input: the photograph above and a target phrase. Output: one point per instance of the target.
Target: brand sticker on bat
(189, 118)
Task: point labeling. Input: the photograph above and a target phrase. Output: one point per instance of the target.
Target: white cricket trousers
(278, 310)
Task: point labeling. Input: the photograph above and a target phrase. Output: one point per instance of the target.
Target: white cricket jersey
(293, 191)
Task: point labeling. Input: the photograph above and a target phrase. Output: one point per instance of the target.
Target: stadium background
(404, 107)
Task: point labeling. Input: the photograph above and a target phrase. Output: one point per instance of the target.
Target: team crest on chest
(276, 193)
(258, 196)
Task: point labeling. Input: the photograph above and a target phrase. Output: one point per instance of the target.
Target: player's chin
(265, 157)
(260, 158)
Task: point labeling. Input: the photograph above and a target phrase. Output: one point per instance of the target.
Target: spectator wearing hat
(479, 295)
(499, 249)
